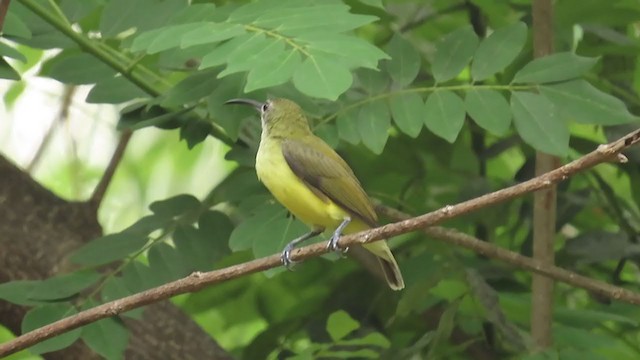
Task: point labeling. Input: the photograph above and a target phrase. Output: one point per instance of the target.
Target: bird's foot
(333, 242)
(285, 257)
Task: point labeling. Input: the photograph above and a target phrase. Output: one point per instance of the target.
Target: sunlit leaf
(321, 77)
(340, 324)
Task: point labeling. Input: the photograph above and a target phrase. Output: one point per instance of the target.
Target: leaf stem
(462, 87)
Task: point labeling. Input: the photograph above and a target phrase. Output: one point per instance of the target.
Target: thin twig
(198, 280)
(101, 188)
(63, 115)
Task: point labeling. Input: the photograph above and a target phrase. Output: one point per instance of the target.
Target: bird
(314, 183)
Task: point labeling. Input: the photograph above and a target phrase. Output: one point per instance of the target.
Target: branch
(128, 68)
(198, 280)
(101, 188)
(4, 7)
(63, 115)
(455, 237)
(544, 202)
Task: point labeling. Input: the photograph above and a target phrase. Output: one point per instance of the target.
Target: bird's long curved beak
(256, 104)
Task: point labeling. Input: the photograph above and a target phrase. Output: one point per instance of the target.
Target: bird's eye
(265, 107)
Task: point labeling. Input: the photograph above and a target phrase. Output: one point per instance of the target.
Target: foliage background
(430, 102)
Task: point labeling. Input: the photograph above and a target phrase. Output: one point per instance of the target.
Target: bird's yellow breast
(274, 172)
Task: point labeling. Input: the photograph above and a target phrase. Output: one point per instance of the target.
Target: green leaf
(19, 291)
(347, 124)
(78, 69)
(162, 39)
(10, 52)
(373, 124)
(444, 114)
(557, 67)
(209, 32)
(281, 231)
(220, 54)
(231, 118)
(141, 115)
(192, 88)
(122, 15)
(256, 227)
(204, 246)
(314, 18)
(138, 277)
(114, 289)
(407, 112)
(168, 263)
(217, 227)
(321, 77)
(194, 132)
(489, 109)
(107, 337)
(498, 50)
(340, 324)
(537, 123)
(453, 53)
(350, 51)
(45, 315)
(372, 81)
(374, 339)
(175, 206)
(328, 133)
(14, 26)
(598, 246)
(145, 225)
(64, 286)
(108, 248)
(580, 101)
(7, 72)
(405, 61)
(115, 90)
(445, 328)
(273, 71)
(373, 3)
(78, 10)
(252, 54)
(449, 289)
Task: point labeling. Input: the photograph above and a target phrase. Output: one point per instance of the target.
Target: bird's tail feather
(388, 264)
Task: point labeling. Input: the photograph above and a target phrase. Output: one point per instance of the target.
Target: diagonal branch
(101, 188)
(198, 280)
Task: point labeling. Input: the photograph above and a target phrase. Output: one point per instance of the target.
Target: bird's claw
(286, 257)
(334, 246)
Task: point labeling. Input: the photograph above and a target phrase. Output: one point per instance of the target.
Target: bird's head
(279, 116)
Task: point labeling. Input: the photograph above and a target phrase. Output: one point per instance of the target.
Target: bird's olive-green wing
(320, 167)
